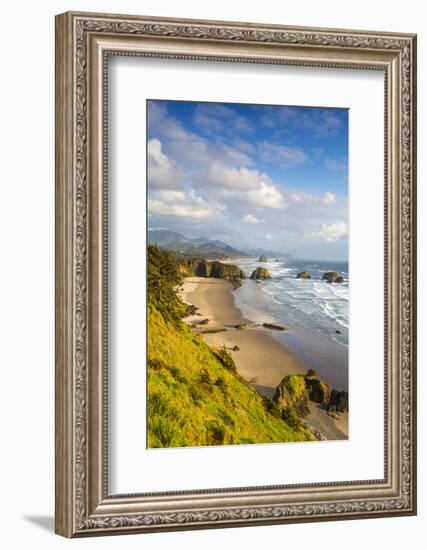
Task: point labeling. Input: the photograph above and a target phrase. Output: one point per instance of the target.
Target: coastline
(261, 359)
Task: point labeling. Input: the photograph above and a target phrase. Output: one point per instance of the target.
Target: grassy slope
(195, 400)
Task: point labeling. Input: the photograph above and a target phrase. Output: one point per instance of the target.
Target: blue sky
(254, 176)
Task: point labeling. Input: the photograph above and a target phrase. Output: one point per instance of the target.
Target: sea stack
(262, 259)
(260, 273)
(304, 275)
(333, 277)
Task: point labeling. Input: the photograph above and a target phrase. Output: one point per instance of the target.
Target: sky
(253, 176)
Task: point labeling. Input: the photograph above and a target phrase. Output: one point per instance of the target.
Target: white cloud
(328, 198)
(188, 148)
(330, 233)
(281, 155)
(183, 204)
(296, 198)
(250, 219)
(267, 195)
(234, 179)
(245, 184)
(163, 172)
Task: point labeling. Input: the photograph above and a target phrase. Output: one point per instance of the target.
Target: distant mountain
(200, 246)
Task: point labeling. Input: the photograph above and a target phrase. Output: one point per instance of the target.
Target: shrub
(225, 358)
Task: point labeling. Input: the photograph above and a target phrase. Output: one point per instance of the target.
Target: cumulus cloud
(250, 219)
(163, 172)
(183, 204)
(229, 177)
(245, 184)
(328, 198)
(267, 195)
(189, 148)
(330, 233)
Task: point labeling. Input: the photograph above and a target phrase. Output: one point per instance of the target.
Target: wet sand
(261, 359)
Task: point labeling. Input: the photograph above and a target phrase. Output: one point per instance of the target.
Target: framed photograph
(235, 274)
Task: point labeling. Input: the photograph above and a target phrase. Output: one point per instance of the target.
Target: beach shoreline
(262, 360)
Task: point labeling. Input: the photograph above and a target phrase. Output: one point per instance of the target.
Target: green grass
(195, 397)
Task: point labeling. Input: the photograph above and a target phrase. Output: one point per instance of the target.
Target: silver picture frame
(84, 41)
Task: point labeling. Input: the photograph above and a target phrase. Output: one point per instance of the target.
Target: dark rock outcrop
(218, 270)
(260, 273)
(296, 391)
(190, 310)
(262, 259)
(226, 271)
(202, 269)
(333, 277)
(318, 391)
(338, 401)
(304, 275)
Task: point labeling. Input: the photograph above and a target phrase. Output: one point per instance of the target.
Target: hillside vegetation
(195, 395)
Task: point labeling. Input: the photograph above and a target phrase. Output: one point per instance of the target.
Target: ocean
(314, 311)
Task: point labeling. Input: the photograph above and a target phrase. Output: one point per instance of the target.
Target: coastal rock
(296, 390)
(333, 277)
(226, 271)
(260, 273)
(262, 259)
(204, 322)
(272, 326)
(318, 391)
(338, 401)
(201, 269)
(292, 393)
(236, 348)
(304, 275)
(190, 310)
(218, 270)
(241, 326)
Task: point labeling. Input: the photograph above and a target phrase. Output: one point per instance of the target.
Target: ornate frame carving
(83, 41)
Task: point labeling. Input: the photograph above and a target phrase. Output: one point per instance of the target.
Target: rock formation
(333, 277)
(260, 273)
(295, 392)
(338, 401)
(304, 275)
(262, 259)
(218, 270)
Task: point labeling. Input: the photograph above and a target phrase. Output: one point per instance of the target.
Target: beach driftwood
(272, 326)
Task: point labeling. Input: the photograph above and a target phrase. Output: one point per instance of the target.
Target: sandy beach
(261, 359)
